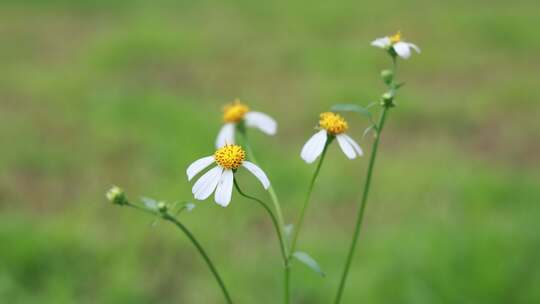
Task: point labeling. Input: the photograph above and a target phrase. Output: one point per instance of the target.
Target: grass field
(95, 93)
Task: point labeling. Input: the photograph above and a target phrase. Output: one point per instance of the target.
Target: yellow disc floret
(235, 111)
(333, 123)
(230, 157)
(395, 38)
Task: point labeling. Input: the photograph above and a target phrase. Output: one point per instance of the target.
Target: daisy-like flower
(332, 125)
(221, 178)
(235, 113)
(395, 42)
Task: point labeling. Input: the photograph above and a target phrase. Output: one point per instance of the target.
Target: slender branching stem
(367, 185)
(271, 191)
(307, 199)
(168, 217)
(300, 220)
(281, 239)
(277, 206)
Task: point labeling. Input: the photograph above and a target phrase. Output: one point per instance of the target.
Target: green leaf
(307, 260)
(351, 108)
(368, 129)
(399, 85)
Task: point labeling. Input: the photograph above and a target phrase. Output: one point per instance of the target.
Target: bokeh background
(95, 93)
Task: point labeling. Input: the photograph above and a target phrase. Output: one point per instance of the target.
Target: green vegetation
(95, 93)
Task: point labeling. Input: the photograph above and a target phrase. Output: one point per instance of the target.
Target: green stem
(360, 216)
(167, 217)
(282, 243)
(298, 225)
(277, 207)
(367, 185)
(271, 191)
(300, 221)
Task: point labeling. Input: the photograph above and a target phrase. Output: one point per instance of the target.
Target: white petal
(402, 49)
(258, 172)
(207, 183)
(415, 47)
(382, 43)
(224, 188)
(346, 146)
(314, 147)
(199, 165)
(354, 144)
(262, 122)
(226, 135)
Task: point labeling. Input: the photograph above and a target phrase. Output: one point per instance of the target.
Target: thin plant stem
(277, 207)
(300, 220)
(281, 239)
(360, 216)
(167, 217)
(271, 191)
(367, 185)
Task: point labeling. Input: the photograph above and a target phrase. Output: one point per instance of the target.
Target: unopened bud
(116, 196)
(387, 76)
(387, 99)
(162, 207)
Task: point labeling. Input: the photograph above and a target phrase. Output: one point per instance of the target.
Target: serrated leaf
(307, 260)
(351, 108)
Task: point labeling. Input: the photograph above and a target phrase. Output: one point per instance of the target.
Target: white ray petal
(314, 147)
(258, 172)
(226, 135)
(354, 144)
(346, 146)
(197, 166)
(262, 122)
(402, 49)
(415, 47)
(207, 183)
(224, 188)
(382, 43)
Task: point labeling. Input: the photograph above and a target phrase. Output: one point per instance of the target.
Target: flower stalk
(300, 220)
(387, 104)
(271, 191)
(163, 213)
(281, 239)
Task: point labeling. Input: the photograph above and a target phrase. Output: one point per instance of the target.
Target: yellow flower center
(230, 156)
(333, 123)
(395, 38)
(234, 112)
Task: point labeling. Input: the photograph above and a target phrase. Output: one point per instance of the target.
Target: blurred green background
(95, 93)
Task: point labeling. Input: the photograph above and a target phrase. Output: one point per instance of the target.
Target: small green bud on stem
(387, 76)
(387, 99)
(116, 196)
(162, 207)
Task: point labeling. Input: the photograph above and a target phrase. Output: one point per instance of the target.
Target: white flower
(331, 124)
(402, 48)
(237, 112)
(221, 178)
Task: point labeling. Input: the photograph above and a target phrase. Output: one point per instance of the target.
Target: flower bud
(162, 207)
(116, 196)
(387, 76)
(387, 99)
